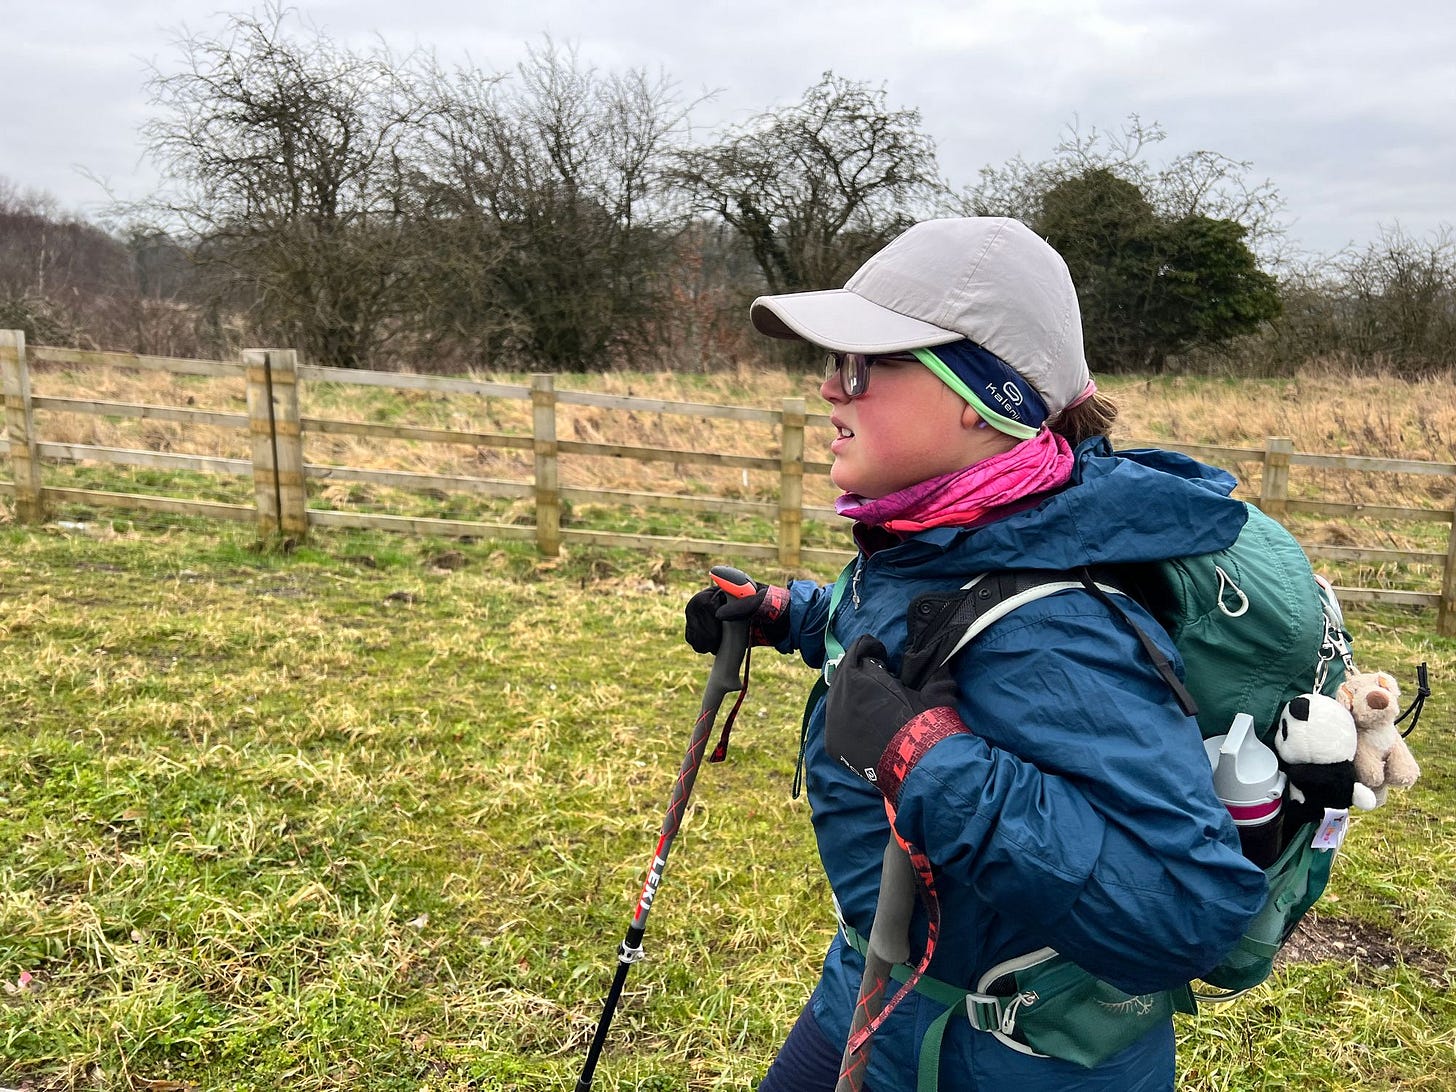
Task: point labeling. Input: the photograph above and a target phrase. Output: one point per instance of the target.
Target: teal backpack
(1255, 627)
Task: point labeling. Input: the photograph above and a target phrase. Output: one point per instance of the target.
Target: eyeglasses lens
(853, 369)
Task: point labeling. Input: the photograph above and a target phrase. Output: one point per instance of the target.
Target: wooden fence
(281, 474)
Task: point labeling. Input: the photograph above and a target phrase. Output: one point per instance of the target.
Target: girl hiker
(1050, 789)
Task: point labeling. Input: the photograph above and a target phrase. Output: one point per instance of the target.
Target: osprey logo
(1130, 1006)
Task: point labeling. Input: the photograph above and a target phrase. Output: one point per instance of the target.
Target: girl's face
(906, 427)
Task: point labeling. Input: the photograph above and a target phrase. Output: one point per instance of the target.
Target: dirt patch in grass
(1324, 938)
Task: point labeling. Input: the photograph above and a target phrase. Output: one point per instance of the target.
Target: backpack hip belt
(1040, 1004)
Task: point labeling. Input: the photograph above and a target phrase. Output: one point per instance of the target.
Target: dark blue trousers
(807, 1062)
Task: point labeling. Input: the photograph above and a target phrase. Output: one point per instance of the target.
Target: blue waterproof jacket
(1078, 814)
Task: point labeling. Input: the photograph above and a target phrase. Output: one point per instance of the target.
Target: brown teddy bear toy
(1382, 758)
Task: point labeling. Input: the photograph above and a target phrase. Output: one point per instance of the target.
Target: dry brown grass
(1323, 410)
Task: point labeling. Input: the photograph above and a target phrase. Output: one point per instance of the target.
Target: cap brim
(841, 320)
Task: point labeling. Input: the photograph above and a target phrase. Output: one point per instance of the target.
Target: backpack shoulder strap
(940, 625)
(1160, 662)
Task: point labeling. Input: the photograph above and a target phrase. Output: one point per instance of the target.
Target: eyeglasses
(854, 369)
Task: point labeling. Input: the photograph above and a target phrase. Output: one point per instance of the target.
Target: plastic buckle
(984, 1011)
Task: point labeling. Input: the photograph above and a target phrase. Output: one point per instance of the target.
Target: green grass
(429, 504)
(364, 815)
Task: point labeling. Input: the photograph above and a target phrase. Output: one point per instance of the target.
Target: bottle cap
(1246, 773)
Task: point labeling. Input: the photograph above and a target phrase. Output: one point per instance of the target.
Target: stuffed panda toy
(1315, 741)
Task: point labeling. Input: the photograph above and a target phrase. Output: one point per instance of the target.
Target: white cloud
(1349, 108)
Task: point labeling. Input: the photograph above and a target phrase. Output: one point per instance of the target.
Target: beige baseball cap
(988, 279)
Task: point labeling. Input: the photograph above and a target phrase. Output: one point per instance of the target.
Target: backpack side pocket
(1296, 881)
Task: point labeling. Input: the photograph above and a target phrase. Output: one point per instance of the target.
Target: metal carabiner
(1226, 582)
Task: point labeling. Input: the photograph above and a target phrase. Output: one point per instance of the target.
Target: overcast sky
(1348, 108)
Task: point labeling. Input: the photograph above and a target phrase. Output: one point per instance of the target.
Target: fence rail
(270, 380)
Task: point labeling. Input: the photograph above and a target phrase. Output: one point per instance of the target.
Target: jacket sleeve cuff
(808, 615)
(770, 623)
(911, 743)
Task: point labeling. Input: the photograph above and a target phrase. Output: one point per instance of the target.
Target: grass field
(372, 814)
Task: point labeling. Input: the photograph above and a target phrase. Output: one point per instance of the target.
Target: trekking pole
(888, 945)
(722, 680)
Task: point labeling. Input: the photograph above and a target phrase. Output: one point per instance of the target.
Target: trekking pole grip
(724, 677)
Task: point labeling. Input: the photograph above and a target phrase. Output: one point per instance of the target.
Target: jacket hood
(1120, 508)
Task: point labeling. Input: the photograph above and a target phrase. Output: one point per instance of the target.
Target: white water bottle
(1249, 782)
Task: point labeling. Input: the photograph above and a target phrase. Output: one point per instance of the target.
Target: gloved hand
(878, 727)
(766, 611)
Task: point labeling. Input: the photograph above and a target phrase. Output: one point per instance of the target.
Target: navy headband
(991, 383)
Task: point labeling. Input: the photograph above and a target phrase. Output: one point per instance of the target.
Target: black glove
(880, 728)
(766, 612)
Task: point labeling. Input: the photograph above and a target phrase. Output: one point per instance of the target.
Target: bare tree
(291, 161)
(45, 252)
(1396, 300)
(56, 269)
(558, 176)
(812, 189)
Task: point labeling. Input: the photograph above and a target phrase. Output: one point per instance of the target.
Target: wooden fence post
(1274, 489)
(548, 494)
(273, 424)
(1446, 609)
(791, 482)
(20, 427)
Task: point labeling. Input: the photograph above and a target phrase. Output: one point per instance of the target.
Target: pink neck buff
(966, 497)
